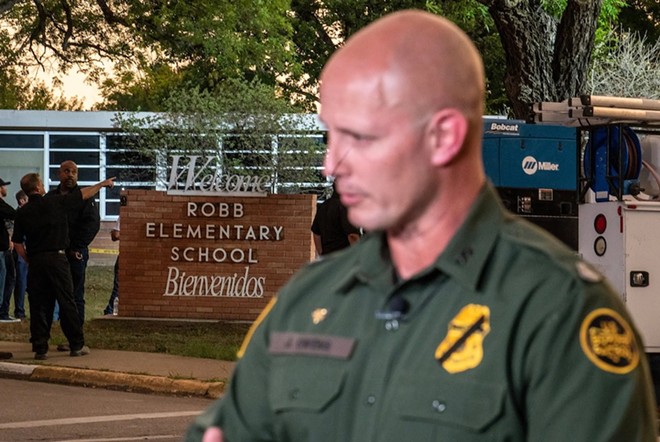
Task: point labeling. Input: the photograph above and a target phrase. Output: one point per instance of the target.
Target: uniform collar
(466, 254)
(463, 260)
(58, 189)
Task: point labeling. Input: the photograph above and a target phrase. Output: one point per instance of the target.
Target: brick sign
(209, 257)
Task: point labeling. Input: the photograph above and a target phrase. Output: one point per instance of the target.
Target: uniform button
(392, 325)
(294, 394)
(371, 399)
(438, 406)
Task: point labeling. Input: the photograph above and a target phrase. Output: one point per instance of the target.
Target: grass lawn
(214, 340)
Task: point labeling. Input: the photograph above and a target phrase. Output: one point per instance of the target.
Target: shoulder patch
(608, 341)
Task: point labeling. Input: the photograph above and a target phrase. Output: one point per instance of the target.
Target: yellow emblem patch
(462, 348)
(608, 341)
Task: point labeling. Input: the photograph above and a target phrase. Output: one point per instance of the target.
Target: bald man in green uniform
(452, 320)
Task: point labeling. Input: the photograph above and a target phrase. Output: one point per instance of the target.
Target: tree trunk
(546, 59)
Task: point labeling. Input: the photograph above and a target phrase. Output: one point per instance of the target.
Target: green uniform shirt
(507, 337)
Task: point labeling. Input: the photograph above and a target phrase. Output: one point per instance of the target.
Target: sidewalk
(120, 370)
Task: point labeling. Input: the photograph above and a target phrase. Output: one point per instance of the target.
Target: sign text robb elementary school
(230, 284)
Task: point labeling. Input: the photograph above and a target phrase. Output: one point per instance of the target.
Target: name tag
(287, 343)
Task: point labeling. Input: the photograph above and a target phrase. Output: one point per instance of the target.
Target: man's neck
(419, 244)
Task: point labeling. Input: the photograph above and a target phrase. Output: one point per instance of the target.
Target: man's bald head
(68, 175)
(422, 63)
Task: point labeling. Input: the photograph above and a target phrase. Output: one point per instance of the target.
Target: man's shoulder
(6, 208)
(530, 238)
(330, 270)
(54, 191)
(540, 254)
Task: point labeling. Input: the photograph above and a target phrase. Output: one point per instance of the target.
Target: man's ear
(447, 132)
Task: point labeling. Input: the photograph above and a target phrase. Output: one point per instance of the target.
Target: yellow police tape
(104, 251)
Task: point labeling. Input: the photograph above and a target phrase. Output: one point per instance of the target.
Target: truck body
(587, 186)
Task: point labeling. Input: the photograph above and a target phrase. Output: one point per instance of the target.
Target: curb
(112, 380)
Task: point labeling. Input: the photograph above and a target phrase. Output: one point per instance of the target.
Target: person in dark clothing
(7, 214)
(10, 282)
(110, 308)
(21, 270)
(41, 238)
(331, 228)
(84, 224)
(16, 275)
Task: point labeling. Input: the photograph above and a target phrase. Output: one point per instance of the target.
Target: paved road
(50, 412)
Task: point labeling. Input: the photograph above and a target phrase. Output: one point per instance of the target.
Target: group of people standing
(51, 235)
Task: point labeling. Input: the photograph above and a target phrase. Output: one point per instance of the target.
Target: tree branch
(109, 15)
(40, 21)
(69, 24)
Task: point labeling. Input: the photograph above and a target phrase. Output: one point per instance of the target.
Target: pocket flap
(460, 403)
(304, 386)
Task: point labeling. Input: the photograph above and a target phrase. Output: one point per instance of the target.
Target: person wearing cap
(452, 319)
(41, 237)
(7, 214)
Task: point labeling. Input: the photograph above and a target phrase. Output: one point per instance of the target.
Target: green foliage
(607, 21)
(17, 92)
(203, 43)
(210, 41)
(145, 90)
(156, 48)
(320, 27)
(474, 19)
(237, 126)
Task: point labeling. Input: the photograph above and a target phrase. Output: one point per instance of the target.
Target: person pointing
(41, 237)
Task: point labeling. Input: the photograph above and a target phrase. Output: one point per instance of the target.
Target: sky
(74, 85)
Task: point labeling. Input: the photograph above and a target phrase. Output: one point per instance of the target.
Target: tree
(17, 92)
(319, 28)
(204, 42)
(145, 90)
(546, 57)
(282, 43)
(546, 44)
(240, 126)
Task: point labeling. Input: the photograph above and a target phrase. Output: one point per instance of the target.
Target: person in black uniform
(331, 228)
(7, 213)
(84, 224)
(41, 237)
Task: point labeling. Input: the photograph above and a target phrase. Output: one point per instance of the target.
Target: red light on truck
(600, 223)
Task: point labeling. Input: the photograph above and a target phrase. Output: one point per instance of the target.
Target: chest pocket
(463, 405)
(304, 385)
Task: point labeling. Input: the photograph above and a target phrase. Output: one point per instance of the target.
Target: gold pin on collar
(319, 315)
